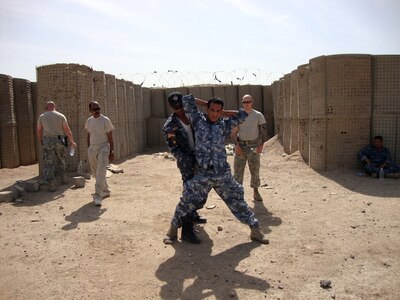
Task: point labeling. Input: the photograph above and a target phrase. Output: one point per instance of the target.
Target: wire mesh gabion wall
(332, 100)
(326, 109)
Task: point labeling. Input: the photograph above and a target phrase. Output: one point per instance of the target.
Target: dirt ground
(330, 225)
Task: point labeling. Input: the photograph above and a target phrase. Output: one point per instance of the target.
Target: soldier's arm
(263, 133)
(68, 133)
(111, 142)
(39, 131)
(172, 144)
(225, 113)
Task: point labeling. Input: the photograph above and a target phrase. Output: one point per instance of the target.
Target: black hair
(378, 137)
(215, 100)
(93, 102)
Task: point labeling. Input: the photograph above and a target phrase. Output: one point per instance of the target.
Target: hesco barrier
(287, 124)
(25, 121)
(8, 124)
(386, 101)
(327, 108)
(100, 90)
(337, 95)
(268, 110)
(112, 111)
(70, 86)
(122, 122)
(140, 119)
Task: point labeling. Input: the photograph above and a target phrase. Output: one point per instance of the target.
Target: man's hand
(259, 148)
(111, 156)
(238, 150)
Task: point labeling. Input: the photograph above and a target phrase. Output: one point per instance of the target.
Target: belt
(55, 136)
(249, 143)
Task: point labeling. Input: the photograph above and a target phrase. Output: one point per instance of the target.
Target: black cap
(175, 99)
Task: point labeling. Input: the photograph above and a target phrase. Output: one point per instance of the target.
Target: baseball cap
(175, 99)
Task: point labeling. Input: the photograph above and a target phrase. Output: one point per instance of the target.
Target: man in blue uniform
(213, 168)
(179, 136)
(376, 156)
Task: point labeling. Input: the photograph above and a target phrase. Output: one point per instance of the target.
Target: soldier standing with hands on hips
(249, 138)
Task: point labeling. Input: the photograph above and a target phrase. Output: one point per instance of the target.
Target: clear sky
(140, 40)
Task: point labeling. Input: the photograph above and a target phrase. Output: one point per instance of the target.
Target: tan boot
(259, 236)
(171, 235)
(52, 186)
(256, 195)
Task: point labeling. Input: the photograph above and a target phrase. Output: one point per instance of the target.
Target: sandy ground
(330, 225)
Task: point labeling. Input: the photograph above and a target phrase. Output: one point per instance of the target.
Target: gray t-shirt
(249, 130)
(98, 129)
(52, 122)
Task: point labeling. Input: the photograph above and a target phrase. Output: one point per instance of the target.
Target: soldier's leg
(101, 170)
(92, 158)
(194, 192)
(372, 169)
(48, 162)
(254, 167)
(233, 195)
(60, 158)
(239, 164)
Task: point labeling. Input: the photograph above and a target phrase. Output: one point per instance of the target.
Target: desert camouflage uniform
(53, 156)
(249, 155)
(213, 168)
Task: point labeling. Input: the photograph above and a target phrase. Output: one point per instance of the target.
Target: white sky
(131, 39)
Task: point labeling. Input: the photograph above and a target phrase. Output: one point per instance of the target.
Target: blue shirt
(210, 137)
(375, 156)
(177, 141)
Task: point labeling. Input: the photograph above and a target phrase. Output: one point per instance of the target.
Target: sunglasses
(96, 109)
(246, 102)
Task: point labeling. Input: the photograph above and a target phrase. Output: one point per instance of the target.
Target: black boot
(188, 233)
(196, 218)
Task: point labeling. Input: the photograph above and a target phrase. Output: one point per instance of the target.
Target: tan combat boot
(256, 195)
(259, 236)
(171, 235)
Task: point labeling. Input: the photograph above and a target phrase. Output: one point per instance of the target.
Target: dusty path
(330, 225)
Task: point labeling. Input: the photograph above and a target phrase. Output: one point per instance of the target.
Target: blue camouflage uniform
(377, 157)
(177, 141)
(213, 168)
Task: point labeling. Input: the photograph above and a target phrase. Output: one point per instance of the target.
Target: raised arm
(225, 113)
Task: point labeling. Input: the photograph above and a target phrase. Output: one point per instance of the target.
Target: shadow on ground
(195, 273)
(367, 185)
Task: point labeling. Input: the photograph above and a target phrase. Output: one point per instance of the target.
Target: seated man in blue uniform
(376, 156)
(213, 170)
